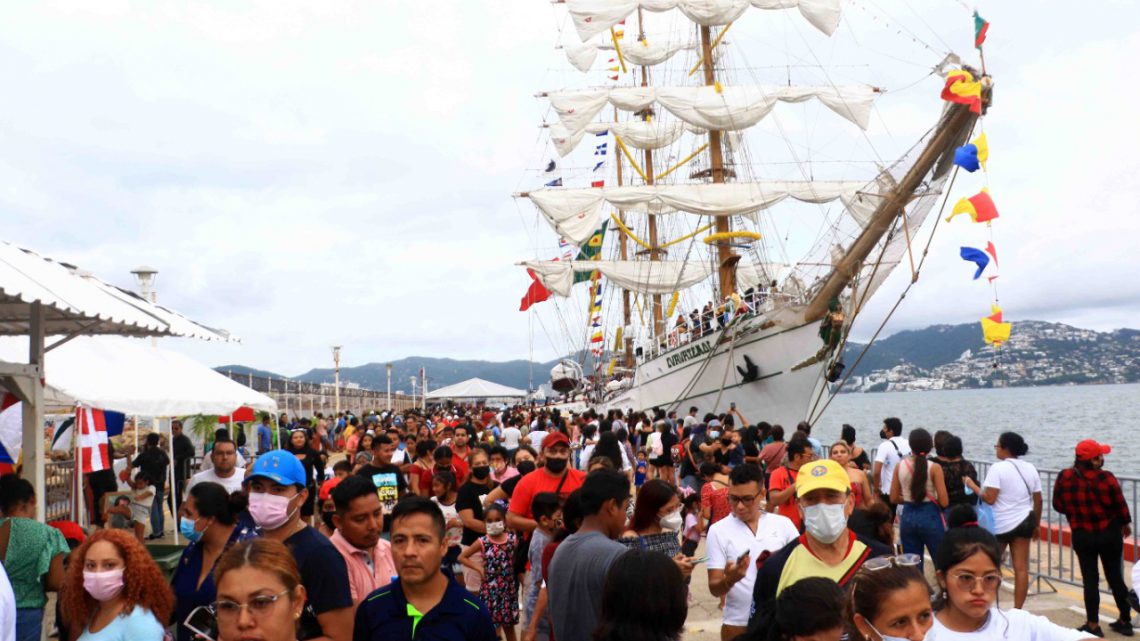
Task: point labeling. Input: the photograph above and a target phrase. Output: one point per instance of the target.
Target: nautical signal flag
(994, 330)
(973, 155)
(550, 166)
(600, 150)
(980, 207)
(535, 294)
(599, 165)
(598, 183)
(980, 29)
(557, 182)
(976, 256)
(961, 88)
(604, 132)
(92, 440)
(992, 251)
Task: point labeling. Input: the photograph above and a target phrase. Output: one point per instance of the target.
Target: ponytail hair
(920, 445)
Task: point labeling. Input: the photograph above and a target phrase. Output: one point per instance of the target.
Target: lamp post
(389, 366)
(336, 378)
(413, 380)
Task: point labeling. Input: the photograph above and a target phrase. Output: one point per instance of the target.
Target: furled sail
(646, 277)
(641, 134)
(644, 53)
(576, 213)
(709, 107)
(592, 17)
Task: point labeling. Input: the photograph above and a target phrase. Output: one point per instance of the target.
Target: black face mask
(481, 472)
(556, 465)
(326, 518)
(882, 433)
(726, 442)
(525, 467)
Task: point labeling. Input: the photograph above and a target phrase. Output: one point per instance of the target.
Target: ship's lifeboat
(566, 376)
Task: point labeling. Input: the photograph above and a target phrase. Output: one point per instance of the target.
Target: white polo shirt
(730, 537)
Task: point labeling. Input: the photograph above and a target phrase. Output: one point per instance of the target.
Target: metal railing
(1050, 559)
(59, 490)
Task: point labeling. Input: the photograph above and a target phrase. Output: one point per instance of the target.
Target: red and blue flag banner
(91, 444)
(11, 430)
(535, 294)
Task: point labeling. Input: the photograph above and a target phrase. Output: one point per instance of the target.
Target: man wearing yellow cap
(826, 548)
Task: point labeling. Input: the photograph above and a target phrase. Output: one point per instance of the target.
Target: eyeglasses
(967, 581)
(737, 500)
(884, 562)
(259, 606)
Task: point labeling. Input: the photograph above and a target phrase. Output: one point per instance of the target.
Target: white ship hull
(703, 374)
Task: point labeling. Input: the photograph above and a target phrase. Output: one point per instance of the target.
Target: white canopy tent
(130, 376)
(474, 388)
(42, 297)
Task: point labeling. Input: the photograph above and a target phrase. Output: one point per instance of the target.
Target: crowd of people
(477, 523)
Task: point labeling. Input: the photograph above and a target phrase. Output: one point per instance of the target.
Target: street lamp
(389, 387)
(413, 380)
(336, 378)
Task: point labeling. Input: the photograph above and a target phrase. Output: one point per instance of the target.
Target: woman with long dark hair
(656, 523)
(968, 571)
(208, 520)
(1013, 488)
(918, 484)
(299, 446)
(643, 599)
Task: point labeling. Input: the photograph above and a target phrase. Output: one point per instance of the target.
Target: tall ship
(708, 226)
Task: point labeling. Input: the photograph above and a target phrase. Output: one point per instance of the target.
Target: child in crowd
(120, 513)
(691, 532)
(141, 499)
(500, 588)
(445, 495)
(342, 469)
(641, 469)
(547, 510)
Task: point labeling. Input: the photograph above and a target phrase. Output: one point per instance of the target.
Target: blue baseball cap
(279, 466)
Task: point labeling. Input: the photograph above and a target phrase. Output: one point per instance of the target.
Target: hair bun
(962, 516)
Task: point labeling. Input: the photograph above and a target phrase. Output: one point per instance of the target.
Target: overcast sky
(310, 174)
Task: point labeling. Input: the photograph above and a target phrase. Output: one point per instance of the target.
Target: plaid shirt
(1091, 499)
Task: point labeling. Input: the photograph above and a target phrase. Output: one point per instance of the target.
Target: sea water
(1052, 420)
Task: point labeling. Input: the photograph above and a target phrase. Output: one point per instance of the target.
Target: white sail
(645, 277)
(725, 108)
(592, 17)
(643, 53)
(577, 213)
(639, 134)
(760, 275)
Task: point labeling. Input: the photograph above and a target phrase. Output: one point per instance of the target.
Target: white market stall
(41, 297)
(133, 377)
(476, 389)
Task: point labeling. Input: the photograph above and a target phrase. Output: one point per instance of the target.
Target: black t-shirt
(324, 575)
(470, 497)
(687, 468)
(153, 462)
(390, 486)
(509, 484)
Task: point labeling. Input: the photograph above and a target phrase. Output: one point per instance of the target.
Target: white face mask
(825, 521)
(884, 637)
(672, 521)
(496, 528)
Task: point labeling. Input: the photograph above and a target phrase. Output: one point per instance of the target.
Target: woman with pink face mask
(114, 591)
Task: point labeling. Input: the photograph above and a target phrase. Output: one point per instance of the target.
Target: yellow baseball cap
(822, 475)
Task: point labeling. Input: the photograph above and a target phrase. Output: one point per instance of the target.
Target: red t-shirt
(426, 474)
(782, 479)
(538, 482)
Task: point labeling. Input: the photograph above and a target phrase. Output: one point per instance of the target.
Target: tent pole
(77, 482)
(33, 411)
(170, 475)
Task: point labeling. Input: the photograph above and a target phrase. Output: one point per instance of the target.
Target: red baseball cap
(1089, 449)
(555, 438)
(327, 488)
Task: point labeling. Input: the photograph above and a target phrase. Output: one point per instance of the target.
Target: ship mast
(654, 250)
(623, 249)
(726, 258)
(955, 127)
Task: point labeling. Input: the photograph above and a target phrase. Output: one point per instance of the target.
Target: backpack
(679, 451)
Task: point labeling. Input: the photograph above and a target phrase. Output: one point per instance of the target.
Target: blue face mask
(401, 446)
(186, 529)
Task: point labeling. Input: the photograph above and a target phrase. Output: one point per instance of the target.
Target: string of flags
(962, 88)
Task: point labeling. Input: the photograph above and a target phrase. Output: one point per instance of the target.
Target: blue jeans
(157, 522)
(29, 623)
(921, 525)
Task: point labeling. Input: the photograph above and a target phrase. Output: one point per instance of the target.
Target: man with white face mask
(826, 548)
(277, 491)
